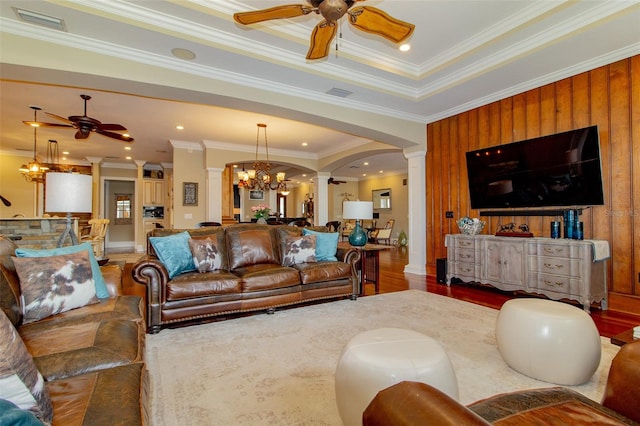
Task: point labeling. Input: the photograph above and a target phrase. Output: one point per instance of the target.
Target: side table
(623, 338)
(369, 264)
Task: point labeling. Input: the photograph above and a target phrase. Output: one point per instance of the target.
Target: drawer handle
(551, 284)
(553, 251)
(465, 256)
(465, 243)
(465, 269)
(550, 266)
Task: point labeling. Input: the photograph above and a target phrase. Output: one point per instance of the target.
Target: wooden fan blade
(58, 117)
(115, 135)
(41, 124)
(321, 38)
(375, 21)
(278, 12)
(112, 126)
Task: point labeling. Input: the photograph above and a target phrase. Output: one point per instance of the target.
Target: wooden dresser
(556, 268)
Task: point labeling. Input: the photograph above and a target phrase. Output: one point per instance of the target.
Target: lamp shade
(68, 192)
(357, 210)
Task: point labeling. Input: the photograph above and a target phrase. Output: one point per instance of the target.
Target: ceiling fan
(85, 125)
(335, 182)
(364, 18)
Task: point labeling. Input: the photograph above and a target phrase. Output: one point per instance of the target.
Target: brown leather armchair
(413, 403)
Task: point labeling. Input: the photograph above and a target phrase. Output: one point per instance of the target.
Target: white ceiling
(465, 53)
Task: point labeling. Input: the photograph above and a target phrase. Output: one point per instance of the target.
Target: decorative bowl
(469, 226)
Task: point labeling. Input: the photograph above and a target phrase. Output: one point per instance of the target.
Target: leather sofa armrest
(150, 272)
(622, 392)
(113, 278)
(351, 257)
(414, 403)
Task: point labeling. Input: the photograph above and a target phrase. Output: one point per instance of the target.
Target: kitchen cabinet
(153, 192)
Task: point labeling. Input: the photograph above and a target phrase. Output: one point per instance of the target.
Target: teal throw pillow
(101, 285)
(174, 252)
(326, 244)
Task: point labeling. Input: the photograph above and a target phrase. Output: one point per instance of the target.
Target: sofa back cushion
(9, 282)
(249, 244)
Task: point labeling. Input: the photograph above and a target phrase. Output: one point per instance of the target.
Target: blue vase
(358, 237)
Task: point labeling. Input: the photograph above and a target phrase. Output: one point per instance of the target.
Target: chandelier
(260, 176)
(34, 171)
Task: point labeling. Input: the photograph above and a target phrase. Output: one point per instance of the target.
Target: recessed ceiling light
(304, 175)
(304, 144)
(180, 127)
(126, 135)
(235, 166)
(364, 174)
(185, 54)
(366, 163)
(65, 152)
(128, 158)
(381, 171)
(405, 47)
(127, 148)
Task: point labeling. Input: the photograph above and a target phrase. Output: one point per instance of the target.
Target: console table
(557, 268)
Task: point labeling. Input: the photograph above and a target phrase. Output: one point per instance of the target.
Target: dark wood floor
(392, 278)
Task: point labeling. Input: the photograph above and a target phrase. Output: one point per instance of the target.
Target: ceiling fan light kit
(365, 18)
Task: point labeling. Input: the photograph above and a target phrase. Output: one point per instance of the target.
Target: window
(123, 209)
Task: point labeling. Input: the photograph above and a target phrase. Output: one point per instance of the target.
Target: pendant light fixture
(34, 171)
(260, 176)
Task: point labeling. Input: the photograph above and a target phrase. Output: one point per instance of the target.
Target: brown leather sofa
(92, 357)
(241, 285)
(412, 403)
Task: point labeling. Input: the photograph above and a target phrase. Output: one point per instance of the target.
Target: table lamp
(357, 210)
(71, 193)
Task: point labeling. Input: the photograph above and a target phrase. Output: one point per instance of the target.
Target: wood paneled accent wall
(609, 97)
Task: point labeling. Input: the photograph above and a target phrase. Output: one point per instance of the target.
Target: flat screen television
(562, 169)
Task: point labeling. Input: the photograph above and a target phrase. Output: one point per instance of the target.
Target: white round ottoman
(376, 359)
(547, 340)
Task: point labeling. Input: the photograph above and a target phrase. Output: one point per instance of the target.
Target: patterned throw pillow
(20, 381)
(174, 253)
(206, 256)
(299, 250)
(101, 286)
(55, 284)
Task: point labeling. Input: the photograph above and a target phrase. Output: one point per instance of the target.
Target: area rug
(279, 369)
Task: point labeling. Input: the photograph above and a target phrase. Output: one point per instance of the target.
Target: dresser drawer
(562, 285)
(555, 265)
(464, 242)
(555, 249)
(465, 271)
(465, 255)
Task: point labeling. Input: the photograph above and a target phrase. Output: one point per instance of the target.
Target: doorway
(121, 232)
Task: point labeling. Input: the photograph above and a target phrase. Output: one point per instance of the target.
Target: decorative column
(417, 213)
(141, 238)
(321, 200)
(96, 210)
(213, 195)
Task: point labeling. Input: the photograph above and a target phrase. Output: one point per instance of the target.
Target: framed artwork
(256, 195)
(190, 194)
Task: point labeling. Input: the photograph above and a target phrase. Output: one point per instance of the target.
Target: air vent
(354, 167)
(112, 157)
(341, 93)
(40, 19)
